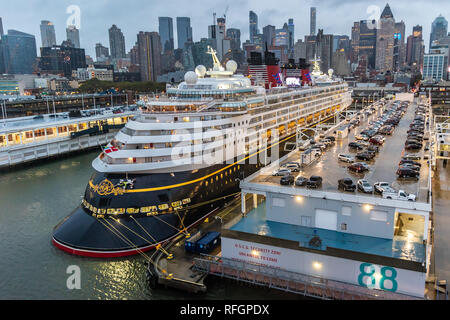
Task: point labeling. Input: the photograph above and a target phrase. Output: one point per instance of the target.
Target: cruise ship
(184, 153)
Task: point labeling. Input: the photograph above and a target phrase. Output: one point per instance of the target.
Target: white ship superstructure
(210, 120)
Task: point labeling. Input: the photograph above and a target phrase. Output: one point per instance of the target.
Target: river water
(35, 199)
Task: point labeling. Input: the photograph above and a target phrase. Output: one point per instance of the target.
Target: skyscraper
(184, 31)
(73, 35)
(116, 43)
(101, 51)
(356, 31)
(19, 52)
(291, 29)
(399, 45)
(166, 33)
(367, 44)
(439, 29)
(48, 34)
(385, 41)
(149, 47)
(235, 37)
(312, 27)
(268, 34)
(415, 48)
(1, 27)
(253, 26)
(324, 50)
(216, 34)
(62, 60)
(282, 36)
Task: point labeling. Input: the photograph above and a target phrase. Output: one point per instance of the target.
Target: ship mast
(217, 65)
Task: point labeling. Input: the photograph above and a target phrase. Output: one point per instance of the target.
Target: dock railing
(289, 281)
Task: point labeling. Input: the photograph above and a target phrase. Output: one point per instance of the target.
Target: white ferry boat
(26, 139)
(183, 155)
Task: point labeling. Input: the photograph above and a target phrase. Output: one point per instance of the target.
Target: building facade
(101, 52)
(312, 18)
(439, 29)
(18, 52)
(235, 37)
(184, 31)
(73, 35)
(253, 26)
(84, 74)
(149, 47)
(385, 41)
(435, 66)
(269, 34)
(166, 33)
(415, 49)
(62, 60)
(48, 35)
(116, 43)
(399, 45)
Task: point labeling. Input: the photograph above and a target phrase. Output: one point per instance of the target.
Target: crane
(226, 10)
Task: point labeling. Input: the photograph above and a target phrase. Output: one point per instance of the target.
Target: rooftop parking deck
(382, 168)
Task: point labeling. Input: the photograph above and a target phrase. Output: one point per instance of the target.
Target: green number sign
(368, 270)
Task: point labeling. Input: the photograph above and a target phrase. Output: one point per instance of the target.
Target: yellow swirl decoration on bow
(105, 188)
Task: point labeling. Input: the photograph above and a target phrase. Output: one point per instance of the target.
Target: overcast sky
(132, 16)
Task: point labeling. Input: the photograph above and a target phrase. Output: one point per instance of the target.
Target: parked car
(364, 186)
(380, 187)
(377, 140)
(287, 179)
(355, 145)
(346, 158)
(291, 166)
(314, 182)
(413, 146)
(411, 156)
(400, 195)
(373, 149)
(301, 181)
(361, 137)
(409, 166)
(407, 173)
(358, 167)
(404, 161)
(281, 172)
(346, 184)
(367, 156)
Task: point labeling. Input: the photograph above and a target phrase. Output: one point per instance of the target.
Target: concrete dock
(177, 272)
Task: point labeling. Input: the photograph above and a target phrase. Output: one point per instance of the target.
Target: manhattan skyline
(137, 15)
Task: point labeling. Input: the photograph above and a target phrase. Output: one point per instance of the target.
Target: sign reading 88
(377, 280)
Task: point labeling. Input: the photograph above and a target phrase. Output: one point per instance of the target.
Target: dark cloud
(132, 16)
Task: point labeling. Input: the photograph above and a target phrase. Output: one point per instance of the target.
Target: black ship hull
(115, 221)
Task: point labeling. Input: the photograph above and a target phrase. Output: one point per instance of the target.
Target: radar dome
(231, 66)
(200, 71)
(190, 77)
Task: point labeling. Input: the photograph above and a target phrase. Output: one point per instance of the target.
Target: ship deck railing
(289, 281)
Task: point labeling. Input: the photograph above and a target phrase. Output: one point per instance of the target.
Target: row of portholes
(226, 172)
